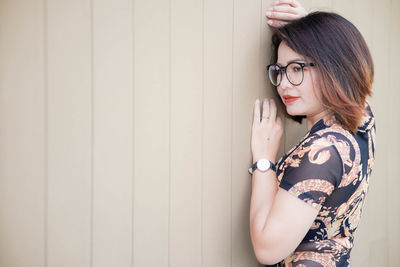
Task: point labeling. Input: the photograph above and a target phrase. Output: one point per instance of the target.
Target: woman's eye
(297, 69)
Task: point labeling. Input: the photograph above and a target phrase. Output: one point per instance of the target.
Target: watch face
(263, 164)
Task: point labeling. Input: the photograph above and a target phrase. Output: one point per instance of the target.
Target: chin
(294, 113)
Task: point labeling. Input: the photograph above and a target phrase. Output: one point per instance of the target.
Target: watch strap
(254, 167)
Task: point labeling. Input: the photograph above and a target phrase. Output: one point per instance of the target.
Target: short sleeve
(314, 170)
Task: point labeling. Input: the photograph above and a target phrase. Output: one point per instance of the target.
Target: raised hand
(284, 11)
(266, 132)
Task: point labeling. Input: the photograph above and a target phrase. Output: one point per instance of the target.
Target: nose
(285, 82)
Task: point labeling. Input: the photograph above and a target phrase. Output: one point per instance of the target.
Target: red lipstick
(290, 98)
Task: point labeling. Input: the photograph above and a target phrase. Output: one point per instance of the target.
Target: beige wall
(125, 131)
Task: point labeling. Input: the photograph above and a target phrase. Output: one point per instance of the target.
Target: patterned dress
(329, 169)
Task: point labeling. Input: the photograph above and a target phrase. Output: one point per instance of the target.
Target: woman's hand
(266, 134)
(285, 11)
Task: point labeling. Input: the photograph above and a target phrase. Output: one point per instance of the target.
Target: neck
(313, 118)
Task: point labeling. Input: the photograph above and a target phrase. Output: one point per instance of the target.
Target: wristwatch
(263, 165)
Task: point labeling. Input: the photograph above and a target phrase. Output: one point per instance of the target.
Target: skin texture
(274, 233)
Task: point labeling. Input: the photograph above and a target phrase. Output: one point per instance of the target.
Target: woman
(304, 210)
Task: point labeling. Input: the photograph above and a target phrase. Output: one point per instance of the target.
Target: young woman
(306, 207)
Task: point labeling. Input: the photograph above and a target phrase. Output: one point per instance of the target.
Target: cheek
(280, 92)
(314, 90)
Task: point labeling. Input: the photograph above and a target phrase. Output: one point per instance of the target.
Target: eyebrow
(293, 60)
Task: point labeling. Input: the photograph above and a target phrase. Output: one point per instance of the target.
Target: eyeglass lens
(294, 73)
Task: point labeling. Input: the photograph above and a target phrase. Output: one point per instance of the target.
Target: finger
(277, 23)
(279, 121)
(284, 9)
(266, 110)
(293, 3)
(281, 15)
(257, 111)
(272, 110)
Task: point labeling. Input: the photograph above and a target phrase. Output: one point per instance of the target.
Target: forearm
(266, 136)
(264, 189)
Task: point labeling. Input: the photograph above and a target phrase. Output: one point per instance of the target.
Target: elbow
(267, 257)
(262, 257)
(268, 247)
(269, 252)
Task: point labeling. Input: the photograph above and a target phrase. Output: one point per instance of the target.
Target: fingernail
(270, 8)
(268, 13)
(257, 101)
(276, 2)
(270, 22)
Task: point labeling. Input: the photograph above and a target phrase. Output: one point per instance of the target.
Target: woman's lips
(290, 99)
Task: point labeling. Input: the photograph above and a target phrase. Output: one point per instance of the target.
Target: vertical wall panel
(362, 13)
(361, 240)
(113, 133)
(344, 8)
(246, 57)
(186, 132)
(22, 134)
(393, 98)
(371, 247)
(217, 161)
(361, 18)
(324, 5)
(69, 133)
(379, 44)
(152, 133)
(265, 87)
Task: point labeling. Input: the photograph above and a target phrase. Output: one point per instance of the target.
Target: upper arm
(314, 172)
(288, 222)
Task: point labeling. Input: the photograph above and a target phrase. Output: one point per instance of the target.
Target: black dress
(329, 169)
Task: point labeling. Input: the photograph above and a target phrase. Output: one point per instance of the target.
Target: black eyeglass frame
(283, 68)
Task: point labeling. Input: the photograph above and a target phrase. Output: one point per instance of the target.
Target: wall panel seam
(170, 131)
(202, 143)
(133, 136)
(231, 134)
(92, 134)
(45, 85)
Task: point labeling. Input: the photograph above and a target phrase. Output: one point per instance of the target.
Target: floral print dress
(329, 169)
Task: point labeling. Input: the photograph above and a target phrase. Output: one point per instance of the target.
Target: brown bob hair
(342, 61)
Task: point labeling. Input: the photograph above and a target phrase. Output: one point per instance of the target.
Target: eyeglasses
(294, 72)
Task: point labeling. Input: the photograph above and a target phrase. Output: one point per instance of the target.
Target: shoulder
(355, 150)
(314, 151)
(321, 147)
(339, 138)
(312, 171)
